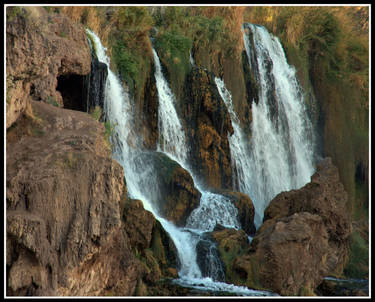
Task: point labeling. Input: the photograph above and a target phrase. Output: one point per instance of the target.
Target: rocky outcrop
(43, 50)
(288, 255)
(64, 234)
(207, 127)
(304, 238)
(324, 196)
(154, 249)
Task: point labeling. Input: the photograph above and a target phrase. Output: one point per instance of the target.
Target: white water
(141, 182)
(213, 209)
(279, 156)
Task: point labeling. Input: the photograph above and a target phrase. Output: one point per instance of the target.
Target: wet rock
(231, 243)
(177, 196)
(208, 258)
(208, 125)
(148, 240)
(339, 287)
(245, 209)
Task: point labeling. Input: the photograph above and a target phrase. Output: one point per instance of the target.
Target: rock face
(64, 234)
(43, 50)
(324, 196)
(207, 127)
(157, 254)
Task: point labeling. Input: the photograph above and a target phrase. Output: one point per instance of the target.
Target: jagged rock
(288, 256)
(64, 234)
(324, 196)
(207, 127)
(41, 47)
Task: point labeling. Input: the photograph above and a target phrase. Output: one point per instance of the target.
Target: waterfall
(139, 173)
(213, 208)
(279, 156)
(141, 179)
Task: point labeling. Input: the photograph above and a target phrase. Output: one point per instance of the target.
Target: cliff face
(66, 232)
(71, 229)
(42, 50)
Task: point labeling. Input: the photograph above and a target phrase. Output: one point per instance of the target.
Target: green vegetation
(359, 257)
(13, 12)
(180, 30)
(109, 128)
(96, 113)
(130, 46)
(52, 101)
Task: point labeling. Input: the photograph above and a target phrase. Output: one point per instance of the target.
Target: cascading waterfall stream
(279, 156)
(213, 209)
(140, 174)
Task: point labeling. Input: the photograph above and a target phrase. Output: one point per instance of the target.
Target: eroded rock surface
(41, 47)
(64, 231)
(324, 196)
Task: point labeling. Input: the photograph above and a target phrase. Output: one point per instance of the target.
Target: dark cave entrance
(72, 89)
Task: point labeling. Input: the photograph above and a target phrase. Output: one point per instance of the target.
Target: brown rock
(40, 48)
(138, 224)
(288, 255)
(64, 233)
(324, 196)
(207, 127)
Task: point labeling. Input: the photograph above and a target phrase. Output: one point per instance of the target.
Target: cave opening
(73, 91)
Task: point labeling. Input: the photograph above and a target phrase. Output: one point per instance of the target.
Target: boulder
(172, 188)
(324, 196)
(288, 256)
(245, 209)
(231, 244)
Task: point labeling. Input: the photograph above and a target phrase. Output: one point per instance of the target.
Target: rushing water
(140, 174)
(279, 156)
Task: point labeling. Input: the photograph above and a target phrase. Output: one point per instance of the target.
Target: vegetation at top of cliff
(13, 12)
(130, 45)
(181, 30)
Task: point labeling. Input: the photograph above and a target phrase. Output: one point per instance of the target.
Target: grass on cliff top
(181, 30)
